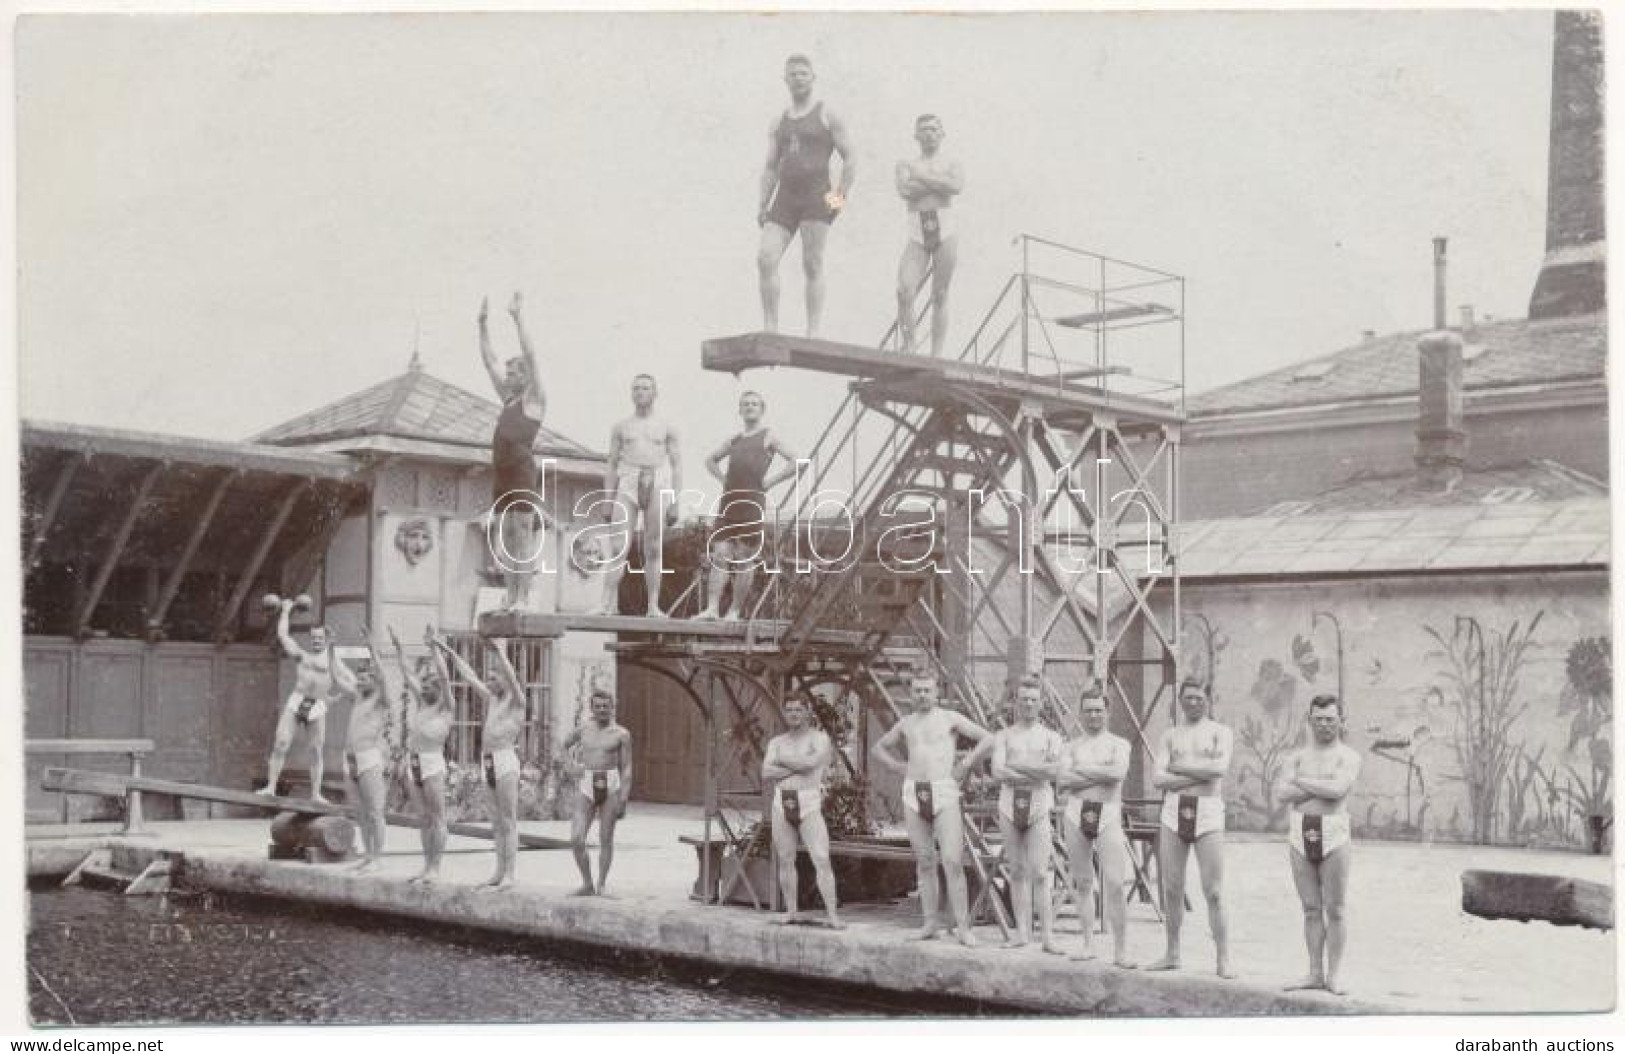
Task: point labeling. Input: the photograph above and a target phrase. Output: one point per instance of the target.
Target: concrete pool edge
(727, 938)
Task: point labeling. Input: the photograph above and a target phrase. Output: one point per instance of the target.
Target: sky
(225, 221)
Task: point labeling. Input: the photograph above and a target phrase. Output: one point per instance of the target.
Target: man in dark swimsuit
(516, 506)
(796, 196)
(737, 543)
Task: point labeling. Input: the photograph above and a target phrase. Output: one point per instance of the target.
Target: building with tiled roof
(415, 414)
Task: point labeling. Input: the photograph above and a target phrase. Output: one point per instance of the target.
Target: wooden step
(1557, 899)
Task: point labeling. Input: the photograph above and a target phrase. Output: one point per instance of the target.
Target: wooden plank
(89, 746)
(257, 560)
(53, 505)
(110, 785)
(115, 549)
(1557, 899)
(177, 574)
(89, 829)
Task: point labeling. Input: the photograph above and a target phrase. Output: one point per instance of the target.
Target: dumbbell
(302, 602)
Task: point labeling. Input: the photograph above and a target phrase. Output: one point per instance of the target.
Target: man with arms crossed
(796, 196)
(1092, 770)
(1191, 763)
(928, 184)
(306, 708)
(645, 475)
(600, 760)
(515, 505)
(1024, 762)
(931, 778)
(1316, 783)
(364, 752)
(796, 760)
(736, 546)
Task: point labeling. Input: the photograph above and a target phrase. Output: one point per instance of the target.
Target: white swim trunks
(361, 762)
(645, 488)
(1026, 805)
(1191, 816)
(306, 709)
(927, 800)
(598, 784)
(500, 763)
(794, 804)
(1317, 837)
(426, 764)
(1095, 819)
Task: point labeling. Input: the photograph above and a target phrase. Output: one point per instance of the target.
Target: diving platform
(753, 635)
(918, 379)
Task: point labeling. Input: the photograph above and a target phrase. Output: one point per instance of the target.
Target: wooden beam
(172, 586)
(53, 504)
(257, 560)
(115, 549)
(112, 785)
(89, 746)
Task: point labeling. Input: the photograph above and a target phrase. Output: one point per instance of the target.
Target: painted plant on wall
(1265, 739)
(1588, 695)
(1479, 687)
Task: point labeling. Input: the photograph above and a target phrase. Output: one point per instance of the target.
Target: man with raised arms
(796, 196)
(306, 708)
(428, 723)
(736, 544)
(1025, 756)
(365, 751)
(932, 774)
(1191, 763)
(1316, 782)
(504, 703)
(599, 759)
(795, 761)
(928, 184)
(515, 505)
(645, 476)
(1092, 770)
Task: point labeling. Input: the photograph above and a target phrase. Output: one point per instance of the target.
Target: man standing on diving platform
(515, 505)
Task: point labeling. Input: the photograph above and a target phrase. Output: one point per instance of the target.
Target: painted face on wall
(414, 540)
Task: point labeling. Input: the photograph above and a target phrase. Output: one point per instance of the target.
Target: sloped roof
(413, 405)
(1512, 353)
(1533, 515)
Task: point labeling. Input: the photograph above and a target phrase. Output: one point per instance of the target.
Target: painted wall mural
(1484, 706)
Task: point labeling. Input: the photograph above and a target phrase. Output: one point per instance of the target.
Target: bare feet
(968, 939)
(926, 934)
(1052, 948)
(655, 612)
(792, 919)
(732, 616)
(1225, 971)
(1334, 987)
(1015, 942)
(316, 796)
(586, 890)
(1087, 955)
(366, 867)
(1303, 983)
(1123, 963)
(707, 615)
(1167, 962)
(835, 923)
(267, 790)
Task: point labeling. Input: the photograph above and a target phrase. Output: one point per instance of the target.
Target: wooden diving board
(886, 371)
(1557, 899)
(1112, 314)
(111, 785)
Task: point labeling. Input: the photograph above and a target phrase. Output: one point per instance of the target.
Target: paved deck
(1411, 950)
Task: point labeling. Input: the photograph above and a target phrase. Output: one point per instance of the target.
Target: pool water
(102, 958)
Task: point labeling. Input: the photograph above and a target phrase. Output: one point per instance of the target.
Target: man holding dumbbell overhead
(306, 708)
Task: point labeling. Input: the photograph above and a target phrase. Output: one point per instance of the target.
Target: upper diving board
(916, 374)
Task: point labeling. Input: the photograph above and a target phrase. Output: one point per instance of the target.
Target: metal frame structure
(1058, 467)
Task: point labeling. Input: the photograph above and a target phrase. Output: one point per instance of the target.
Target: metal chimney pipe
(1438, 283)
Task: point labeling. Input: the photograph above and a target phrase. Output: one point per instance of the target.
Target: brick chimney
(1441, 442)
(1573, 279)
